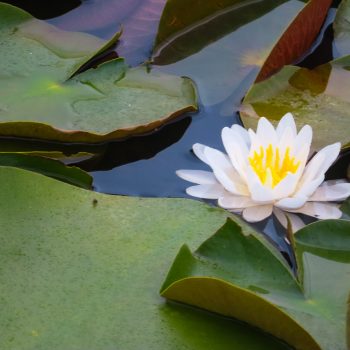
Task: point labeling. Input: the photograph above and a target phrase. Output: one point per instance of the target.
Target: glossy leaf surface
(235, 273)
(209, 42)
(38, 100)
(81, 270)
(318, 97)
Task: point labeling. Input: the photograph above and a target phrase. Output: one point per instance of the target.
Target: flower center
(270, 167)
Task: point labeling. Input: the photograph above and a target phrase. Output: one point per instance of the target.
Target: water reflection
(103, 18)
(221, 66)
(155, 177)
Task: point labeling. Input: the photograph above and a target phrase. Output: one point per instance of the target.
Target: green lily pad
(81, 270)
(318, 97)
(236, 273)
(208, 41)
(48, 167)
(38, 98)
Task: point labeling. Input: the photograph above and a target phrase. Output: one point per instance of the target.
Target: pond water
(146, 165)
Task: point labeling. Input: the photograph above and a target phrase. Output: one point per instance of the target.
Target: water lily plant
(269, 171)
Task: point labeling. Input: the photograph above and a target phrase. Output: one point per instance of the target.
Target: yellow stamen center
(270, 167)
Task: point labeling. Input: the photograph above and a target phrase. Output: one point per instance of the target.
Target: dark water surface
(146, 165)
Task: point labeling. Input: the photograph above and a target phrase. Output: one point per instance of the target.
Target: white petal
(320, 163)
(200, 177)
(294, 220)
(258, 213)
(235, 202)
(309, 188)
(302, 155)
(287, 121)
(303, 139)
(206, 191)
(224, 172)
(198, 150)
(253, 138)
(265, 132)
(286, 141)
(258, 192)
(242, 132)
(236, 149)
(320, 210)
(331, 192)
(336, 181)
(291, 203)
(286, 187)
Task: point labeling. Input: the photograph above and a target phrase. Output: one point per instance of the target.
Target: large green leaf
(235, 273)
(37, 98)
(81, 270)
(221, 46)
(318, 97)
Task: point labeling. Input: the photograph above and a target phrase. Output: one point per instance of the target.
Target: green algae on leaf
(318, 97)
(39, 99)
(236, 273)
(81, 270)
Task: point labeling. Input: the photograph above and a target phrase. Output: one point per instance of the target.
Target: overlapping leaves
(319, 97)
(39, 99)
(238, 274)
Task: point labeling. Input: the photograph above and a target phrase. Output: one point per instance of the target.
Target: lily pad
(236, 273)
(48, 167)
(208, 42)
(81, 270)
(318, 97)
(38, 98)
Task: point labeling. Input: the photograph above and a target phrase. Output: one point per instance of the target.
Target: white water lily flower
(266, 172)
